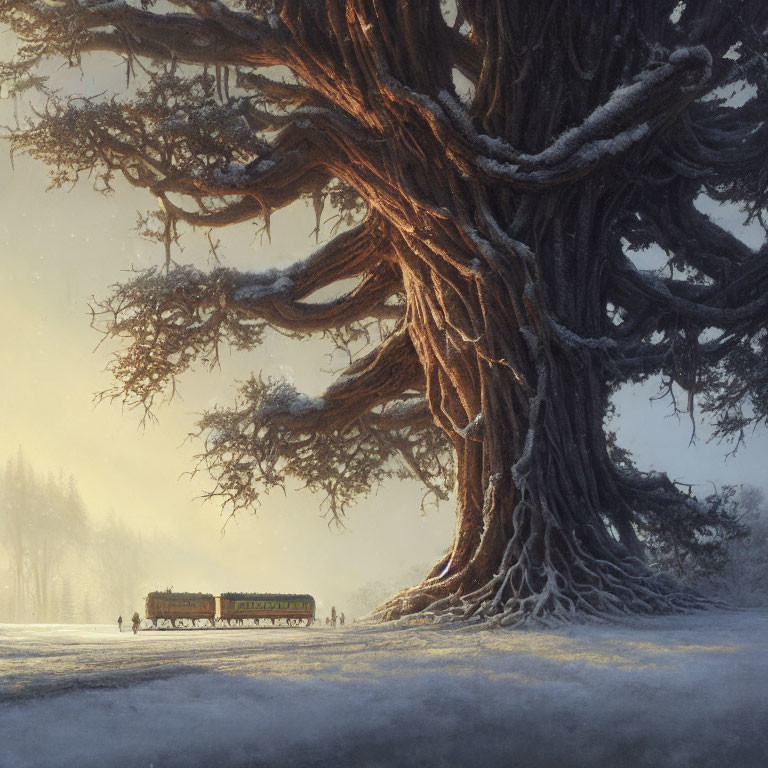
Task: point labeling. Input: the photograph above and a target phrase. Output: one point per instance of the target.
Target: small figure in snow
(135, 621)
(327, 621)
(120, 623)
(333, 615)
(341, 619)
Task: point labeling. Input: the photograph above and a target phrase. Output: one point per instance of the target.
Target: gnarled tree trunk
(542, 527)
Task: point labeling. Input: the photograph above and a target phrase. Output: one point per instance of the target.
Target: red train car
(180, 607)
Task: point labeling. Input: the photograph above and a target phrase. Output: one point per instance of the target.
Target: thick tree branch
(335, 443)
(280, 310)
(631, 114)
(172, 320)
(721, 306)
(221, 37)
(384, 375)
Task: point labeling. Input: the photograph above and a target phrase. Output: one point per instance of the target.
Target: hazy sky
(58, 249)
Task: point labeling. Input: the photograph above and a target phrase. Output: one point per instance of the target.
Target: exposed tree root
(618, 596)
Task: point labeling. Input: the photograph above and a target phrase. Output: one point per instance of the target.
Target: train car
(234, 608)
(178, 608)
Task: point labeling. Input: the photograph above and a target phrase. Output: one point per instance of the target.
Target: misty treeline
(366, 597)
(734, 571)
(58, 564)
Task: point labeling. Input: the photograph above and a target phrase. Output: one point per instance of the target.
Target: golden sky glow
(57, 250)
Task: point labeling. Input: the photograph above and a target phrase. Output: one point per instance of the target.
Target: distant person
(341, 619)
(135, 621)
(333, 615)
(327, 621)
(120, 623)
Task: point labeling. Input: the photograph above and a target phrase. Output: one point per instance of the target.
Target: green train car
(296, 610)
(176, 610)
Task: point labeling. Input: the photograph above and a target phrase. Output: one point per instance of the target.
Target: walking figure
(333, 615)
(135, 621)
(120, 623)
(341, 619)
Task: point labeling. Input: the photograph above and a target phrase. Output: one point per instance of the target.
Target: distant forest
(58, 564)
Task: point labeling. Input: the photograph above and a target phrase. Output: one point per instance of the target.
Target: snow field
(675, 691)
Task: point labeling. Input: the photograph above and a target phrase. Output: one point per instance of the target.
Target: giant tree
(507, 159)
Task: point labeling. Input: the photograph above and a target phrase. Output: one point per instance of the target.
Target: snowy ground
(682, 691)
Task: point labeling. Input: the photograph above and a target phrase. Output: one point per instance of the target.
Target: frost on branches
(494, 166)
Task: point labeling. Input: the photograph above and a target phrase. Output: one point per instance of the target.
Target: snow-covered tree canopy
(508, 158)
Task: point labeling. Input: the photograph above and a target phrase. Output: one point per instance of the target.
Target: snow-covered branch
(273, 433)
(630, 115)
(720, 307)
(170, 320)
(220, 37)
